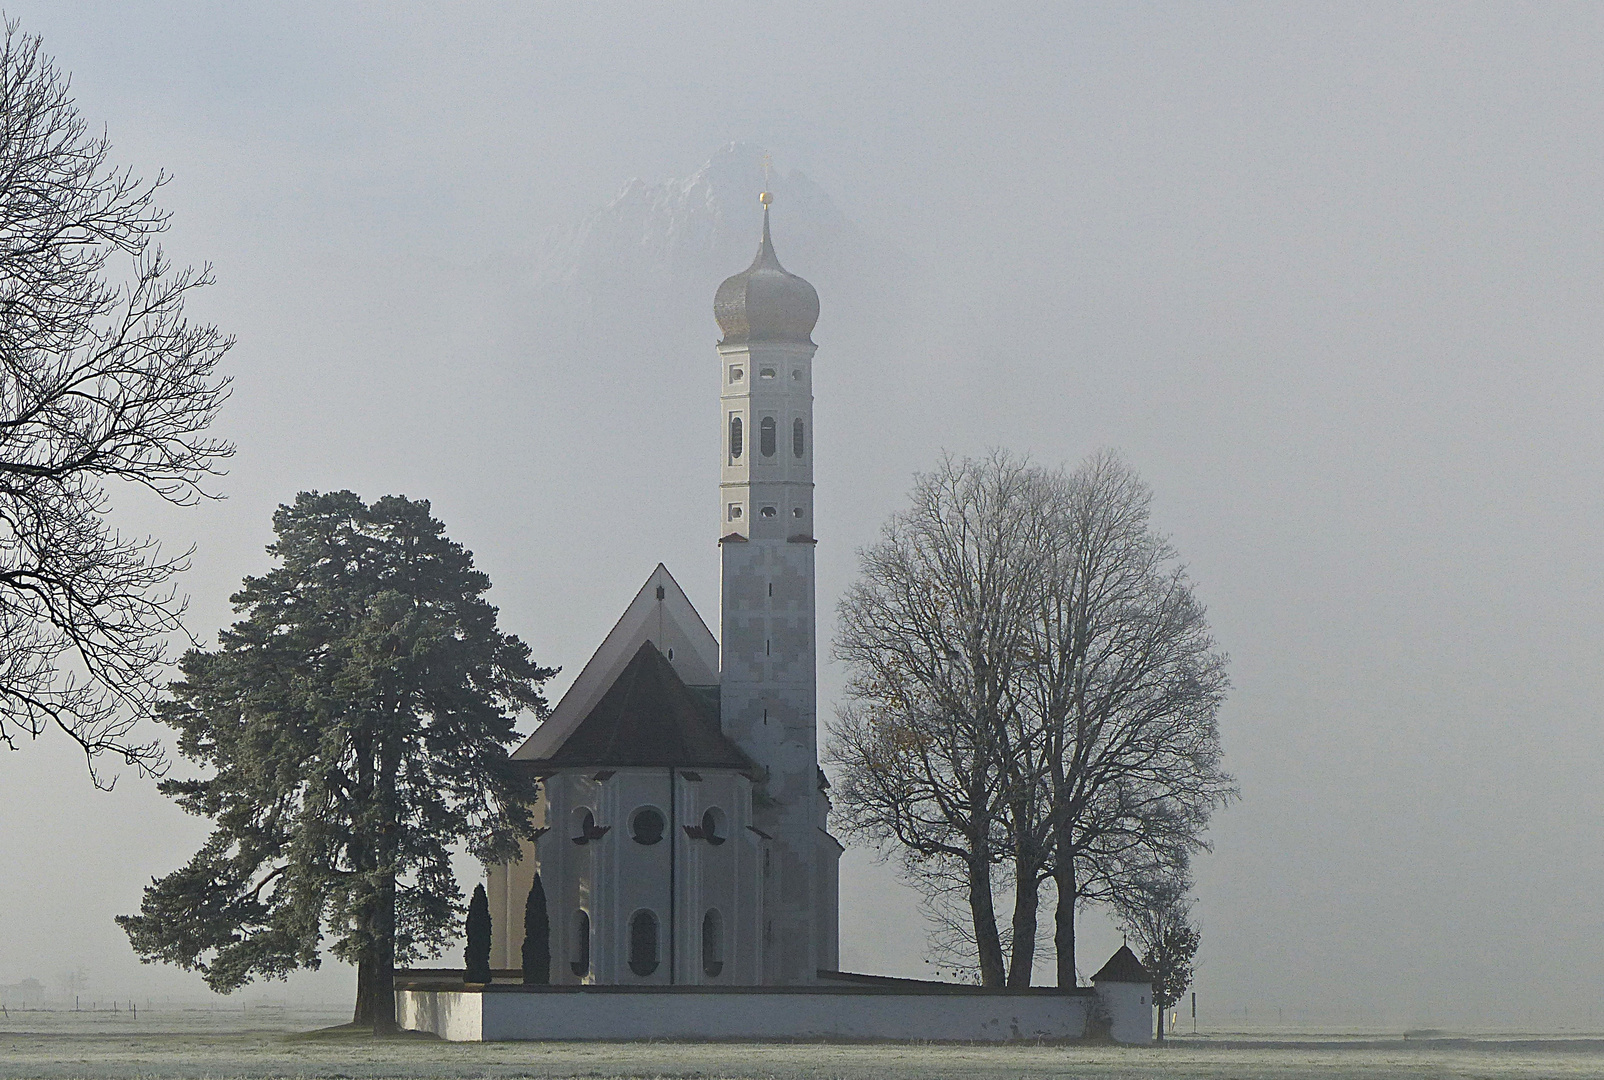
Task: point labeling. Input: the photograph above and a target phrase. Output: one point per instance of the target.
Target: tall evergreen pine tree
(351, 728)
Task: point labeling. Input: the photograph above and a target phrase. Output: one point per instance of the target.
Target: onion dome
(764, 302)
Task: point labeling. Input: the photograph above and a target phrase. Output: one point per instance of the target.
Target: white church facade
(682, 810)
(682, 817)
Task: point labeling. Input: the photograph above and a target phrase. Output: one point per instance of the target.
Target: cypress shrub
(537, 937)
(478, 955)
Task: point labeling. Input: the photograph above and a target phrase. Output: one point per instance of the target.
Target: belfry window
(736, 442)
(766, 373)
(798, 431)
(584, 827)
(712, 943)
(765, 437)
(737, 374)
(643, 943)
(580, 965)
(713, 828)
(768, 511)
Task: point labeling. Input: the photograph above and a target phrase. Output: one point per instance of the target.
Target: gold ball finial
(765, 197)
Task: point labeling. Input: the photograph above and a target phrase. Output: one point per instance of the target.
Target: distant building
(682, 811)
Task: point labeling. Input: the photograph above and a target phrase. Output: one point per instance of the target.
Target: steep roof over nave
(648, 718)
(660, 613)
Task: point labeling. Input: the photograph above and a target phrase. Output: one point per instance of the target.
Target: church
(683, 817)
(682, 821)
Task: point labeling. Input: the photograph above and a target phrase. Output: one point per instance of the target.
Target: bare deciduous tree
(934, 630)
(1126, 684)
(101, 378)
(1033, 684)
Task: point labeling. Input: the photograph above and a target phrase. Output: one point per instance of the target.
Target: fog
(1330, 277)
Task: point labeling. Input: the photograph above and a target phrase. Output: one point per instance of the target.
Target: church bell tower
(768, 641)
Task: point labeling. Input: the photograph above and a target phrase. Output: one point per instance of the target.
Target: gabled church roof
(648, 718)
(660, 613)
(1123, 967)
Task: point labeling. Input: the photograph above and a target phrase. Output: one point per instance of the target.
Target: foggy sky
(1330, 277)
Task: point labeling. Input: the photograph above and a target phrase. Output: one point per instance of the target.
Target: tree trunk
(375, 972)
(1160, 1018)
(984, 914)
(384, 915)
(366, 983)
(1064, 913)
(384, 966)
(1027, 903)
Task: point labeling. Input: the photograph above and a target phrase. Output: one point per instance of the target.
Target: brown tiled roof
(647, 718)
(1123, 967)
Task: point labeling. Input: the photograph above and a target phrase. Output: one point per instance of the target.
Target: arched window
(765, 436)
(584, 826)
(713, 830)
(735, 438)
(647, 826)
(643, 943)
(712, 943)
(581, 963)
(797, 437)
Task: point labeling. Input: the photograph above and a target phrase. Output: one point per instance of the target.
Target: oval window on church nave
(647, 825)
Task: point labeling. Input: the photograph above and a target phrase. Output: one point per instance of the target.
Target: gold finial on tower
(766, 196)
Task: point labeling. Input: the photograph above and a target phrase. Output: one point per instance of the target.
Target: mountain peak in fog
(694, 232)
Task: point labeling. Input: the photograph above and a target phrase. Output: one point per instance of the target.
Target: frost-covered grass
(266, 1045)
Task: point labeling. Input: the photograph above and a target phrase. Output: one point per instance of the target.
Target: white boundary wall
(847, 1014)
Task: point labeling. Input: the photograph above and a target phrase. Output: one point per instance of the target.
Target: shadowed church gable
(649, 718)
(660, 613)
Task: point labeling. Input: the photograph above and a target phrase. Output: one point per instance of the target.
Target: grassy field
(276, 1044)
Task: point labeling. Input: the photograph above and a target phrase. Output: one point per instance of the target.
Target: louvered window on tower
(765, 436)
(797, 432)
(735, 437)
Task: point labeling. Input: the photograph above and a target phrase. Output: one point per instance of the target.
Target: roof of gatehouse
(1123, 967)
(648, 718)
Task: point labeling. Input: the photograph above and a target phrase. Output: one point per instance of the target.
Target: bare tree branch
(101, 378)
